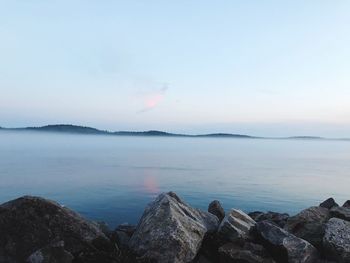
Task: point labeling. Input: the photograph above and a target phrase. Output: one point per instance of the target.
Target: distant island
(76, 129)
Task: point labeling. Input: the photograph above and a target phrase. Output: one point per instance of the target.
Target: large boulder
(31, 226)
(171, 231)
(53, 253)
(309, 224)
(329, 203)
(249, 253)
(215, 208)
(279, 219)
(341, 212)
(283, 246)
(336, 240)
(236, 226)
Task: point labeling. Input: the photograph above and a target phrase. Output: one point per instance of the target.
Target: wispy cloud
(153, 98)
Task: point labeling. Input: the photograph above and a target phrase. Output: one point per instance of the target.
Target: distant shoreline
(75, 129)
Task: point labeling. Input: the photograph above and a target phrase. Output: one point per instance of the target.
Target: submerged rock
(336, 240)
(215, 208)
(309, 224)
(236, 226)
(329, 203)
(171, 231)
(31, 225)
(285, 247)
(341, 212)
(279, 219)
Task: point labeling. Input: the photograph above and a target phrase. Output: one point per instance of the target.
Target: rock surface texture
(341, 212)
(336, 240)
(284, 246)
(34, 225)
(236, 226)
(309, 224)
(171, 231)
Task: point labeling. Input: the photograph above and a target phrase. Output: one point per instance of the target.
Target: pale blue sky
(257, 67)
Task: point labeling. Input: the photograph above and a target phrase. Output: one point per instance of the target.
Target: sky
(268, 68)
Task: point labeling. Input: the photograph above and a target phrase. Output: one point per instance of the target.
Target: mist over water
(111, 178)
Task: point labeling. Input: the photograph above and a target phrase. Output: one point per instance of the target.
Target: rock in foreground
(32, 226)
(171, 231)
(284, 246)
(337, 240)
(309, 224)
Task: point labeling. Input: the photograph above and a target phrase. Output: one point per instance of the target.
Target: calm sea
(111, 179)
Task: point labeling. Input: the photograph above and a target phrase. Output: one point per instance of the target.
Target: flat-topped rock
(236, 226)
(171, 231)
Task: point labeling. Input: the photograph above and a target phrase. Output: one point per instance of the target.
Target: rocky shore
(36, 230)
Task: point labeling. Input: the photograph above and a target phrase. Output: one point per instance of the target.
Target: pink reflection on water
(150, 184)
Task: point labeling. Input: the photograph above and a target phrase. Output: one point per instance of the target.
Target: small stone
(215, 208)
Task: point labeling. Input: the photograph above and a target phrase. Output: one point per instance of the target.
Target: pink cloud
(153, 99)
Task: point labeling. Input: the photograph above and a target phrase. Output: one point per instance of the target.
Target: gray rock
(341, 212)
(236, 226)
(29, 224)
(171, 231)
(336, 240)
(54, 253)
(285, 247)
(309, 224)
(250, 253)
(329, 203)
(279, 219)
(215, 208)
(347, 204)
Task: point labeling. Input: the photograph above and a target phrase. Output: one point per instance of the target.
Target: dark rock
(347, 204)
(215, 208)
(341, 212)
(53, 253)
(283, 246)
(30, 224)
(250, 253)
(126, 228)
(171, 231)
(336, 240)
(329, 203)
(279, 219)
(236, 226)
(309, 224)
(121, 238)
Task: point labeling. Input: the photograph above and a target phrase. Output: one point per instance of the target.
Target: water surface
(111, 178)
